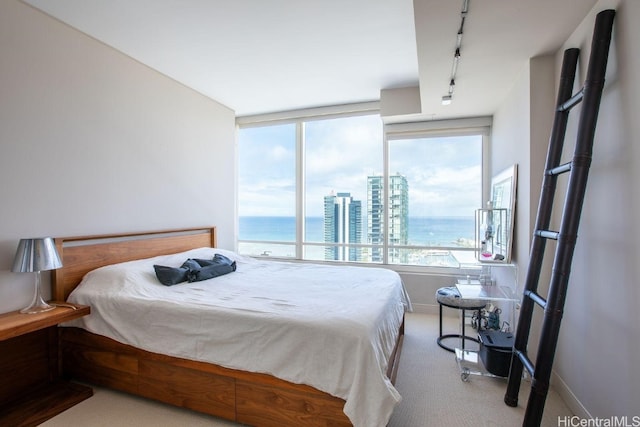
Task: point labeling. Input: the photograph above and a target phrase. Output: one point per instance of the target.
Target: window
(339, 189)
(267, 190)
(435, 187)
(340, 153)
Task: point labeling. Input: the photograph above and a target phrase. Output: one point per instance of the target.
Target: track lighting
(446, 100)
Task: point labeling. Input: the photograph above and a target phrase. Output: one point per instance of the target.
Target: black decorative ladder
(578, 169)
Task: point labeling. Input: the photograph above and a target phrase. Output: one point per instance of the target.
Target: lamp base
(38, 305)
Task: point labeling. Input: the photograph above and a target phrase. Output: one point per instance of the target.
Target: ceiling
(259, 56)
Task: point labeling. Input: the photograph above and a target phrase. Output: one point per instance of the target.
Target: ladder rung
(547, 234)
(526, 362)
(536, 298)
(560, 169)
(572, 102)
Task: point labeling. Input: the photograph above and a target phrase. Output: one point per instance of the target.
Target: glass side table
(468, 361)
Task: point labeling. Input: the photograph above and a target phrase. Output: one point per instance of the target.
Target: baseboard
(569, 398)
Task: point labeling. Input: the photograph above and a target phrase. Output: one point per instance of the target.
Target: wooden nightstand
(32, 390)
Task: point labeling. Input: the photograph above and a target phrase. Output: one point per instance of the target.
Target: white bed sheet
(330, 327)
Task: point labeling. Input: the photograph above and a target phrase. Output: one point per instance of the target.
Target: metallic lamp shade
(36, 255)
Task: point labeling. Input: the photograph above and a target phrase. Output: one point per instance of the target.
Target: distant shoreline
(422, 231)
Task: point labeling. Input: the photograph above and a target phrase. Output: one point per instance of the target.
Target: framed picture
(503, 202)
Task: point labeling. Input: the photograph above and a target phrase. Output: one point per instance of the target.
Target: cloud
(333, 145)
(444, 191)
(444, 173)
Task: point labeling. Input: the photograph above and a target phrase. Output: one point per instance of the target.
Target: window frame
(432, 129)
(390, 131)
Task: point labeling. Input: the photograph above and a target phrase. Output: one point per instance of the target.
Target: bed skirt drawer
(100, 366)
(272, 406)
(187, 388)
(245, 397)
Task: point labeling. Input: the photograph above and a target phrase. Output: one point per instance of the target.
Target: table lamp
(34, 256)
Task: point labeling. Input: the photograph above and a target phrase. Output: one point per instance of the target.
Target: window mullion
(300, 189)
(385, 198)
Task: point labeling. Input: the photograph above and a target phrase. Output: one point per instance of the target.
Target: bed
(268, 361)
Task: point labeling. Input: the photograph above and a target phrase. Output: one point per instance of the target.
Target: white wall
(509, 141)
(596, 362)
(94, 142)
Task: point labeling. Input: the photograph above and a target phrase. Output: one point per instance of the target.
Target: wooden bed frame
(244, 397)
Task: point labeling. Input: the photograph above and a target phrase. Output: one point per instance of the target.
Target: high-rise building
(398, 216)
(342, 224)
(375, 216)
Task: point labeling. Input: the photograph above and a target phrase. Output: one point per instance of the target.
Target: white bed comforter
(330, 327)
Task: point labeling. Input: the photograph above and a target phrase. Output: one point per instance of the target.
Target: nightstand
(32, 390)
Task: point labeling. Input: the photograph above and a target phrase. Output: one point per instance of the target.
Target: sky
(443, 173)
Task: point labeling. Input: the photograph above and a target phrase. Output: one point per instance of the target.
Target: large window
(339, 155)
(438, 180)
(340, 189)
(267, 190)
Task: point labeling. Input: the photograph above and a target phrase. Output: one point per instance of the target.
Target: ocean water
(423, 231)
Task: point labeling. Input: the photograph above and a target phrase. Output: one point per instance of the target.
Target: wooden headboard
(82, 254)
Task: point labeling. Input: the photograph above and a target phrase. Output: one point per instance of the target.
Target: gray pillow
(210, 268)
(195, 270)
(169, 276)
